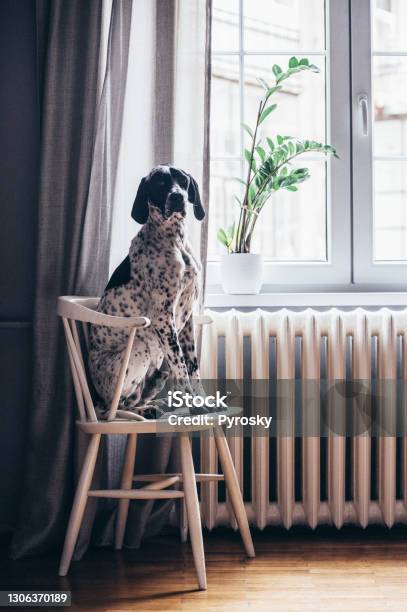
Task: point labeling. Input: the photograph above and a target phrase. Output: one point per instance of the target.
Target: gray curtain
(164, 81)
(77, 163)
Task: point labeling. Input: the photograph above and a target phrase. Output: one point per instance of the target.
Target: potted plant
(268, 171)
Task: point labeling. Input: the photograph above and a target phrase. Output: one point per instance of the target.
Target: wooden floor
(301, 570)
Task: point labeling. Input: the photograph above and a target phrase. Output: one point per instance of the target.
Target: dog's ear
(195, 198)
(139, 212)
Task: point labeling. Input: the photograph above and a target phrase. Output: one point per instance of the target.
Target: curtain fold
(96, 235)
(203, 243)
(77, 169)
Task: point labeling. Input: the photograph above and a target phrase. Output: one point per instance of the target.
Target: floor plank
(296, 571)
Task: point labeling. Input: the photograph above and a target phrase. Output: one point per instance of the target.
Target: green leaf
(221, 236)
(266, 112)
(292, 188)
(293, 63)
(280, 139)
(284, 171)
(272, 90)
(263, 83)
(230, 232)
(258, 180)
(304, 62)
(331, 150)
(270, 144)
(261, 153)
(277, 70)
(248, 155)
(300, 172)
(275, 183)
(248, 130)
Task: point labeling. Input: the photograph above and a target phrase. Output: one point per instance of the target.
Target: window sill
(327, 299)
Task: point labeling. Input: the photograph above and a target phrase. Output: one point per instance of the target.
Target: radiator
(312, 480)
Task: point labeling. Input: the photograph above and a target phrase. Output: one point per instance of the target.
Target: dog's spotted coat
(161, 282)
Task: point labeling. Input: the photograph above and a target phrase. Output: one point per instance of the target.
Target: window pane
(301, 102)
(390, 211)
(225, 25)
(389, 25)
(390, 105)
(223, 207)
(389, 78)
(225, 106)
(279, 25)
(292, 226)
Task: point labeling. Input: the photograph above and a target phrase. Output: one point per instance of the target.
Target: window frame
(350, 205)
(366, 269)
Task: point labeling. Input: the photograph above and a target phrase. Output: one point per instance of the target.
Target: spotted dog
(159, 279)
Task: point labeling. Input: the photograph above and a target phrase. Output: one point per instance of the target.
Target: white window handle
(364, 110)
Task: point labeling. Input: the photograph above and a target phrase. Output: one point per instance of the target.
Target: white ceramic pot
(242, 273)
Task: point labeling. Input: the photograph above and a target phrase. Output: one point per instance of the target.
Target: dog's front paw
(152, 412)
(154, 409)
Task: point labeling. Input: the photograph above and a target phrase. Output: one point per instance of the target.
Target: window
(348, 223)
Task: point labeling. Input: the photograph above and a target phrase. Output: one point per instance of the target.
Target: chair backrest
(77, 313)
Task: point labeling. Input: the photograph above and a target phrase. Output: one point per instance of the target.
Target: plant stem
(243, 210)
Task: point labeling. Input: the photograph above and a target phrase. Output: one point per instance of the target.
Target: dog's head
(169, 190)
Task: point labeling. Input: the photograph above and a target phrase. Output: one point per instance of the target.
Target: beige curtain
(182, 93)
(165, 120)
(189, 96)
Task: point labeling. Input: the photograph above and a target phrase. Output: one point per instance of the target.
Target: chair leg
(193, 512)
(182, 520)
(233, 489)
(181, 511)
(127, 483)
(79, 504)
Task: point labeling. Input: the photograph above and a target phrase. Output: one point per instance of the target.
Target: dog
(159, 279)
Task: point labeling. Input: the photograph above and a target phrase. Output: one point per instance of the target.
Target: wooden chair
(77, 313)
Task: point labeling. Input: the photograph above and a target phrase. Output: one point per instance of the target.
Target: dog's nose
(176, 197)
